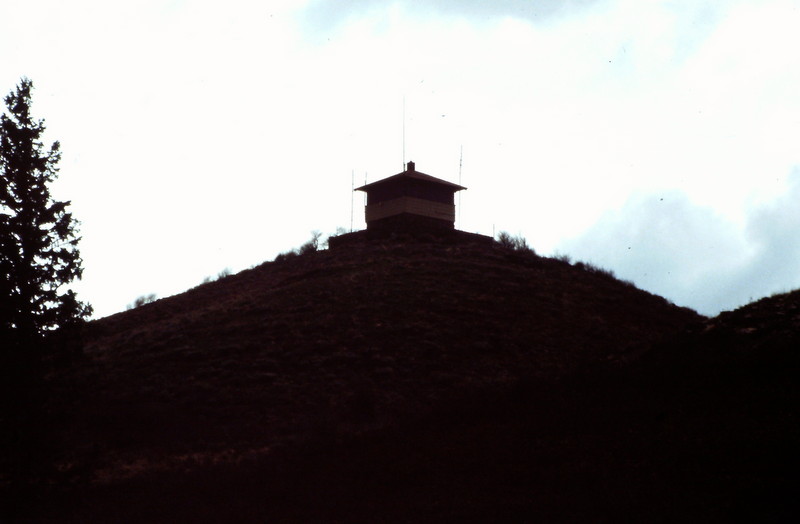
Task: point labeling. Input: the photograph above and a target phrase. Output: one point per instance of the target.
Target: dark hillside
(727, 394)
(452, 375)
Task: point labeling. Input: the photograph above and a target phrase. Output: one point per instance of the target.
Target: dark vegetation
(514, 243)
(39, 258)
(142, 300)
(421, 382)
(310, 246)
(38, 235)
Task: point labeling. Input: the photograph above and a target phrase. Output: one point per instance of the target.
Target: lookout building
(410, 200)
(410, 204)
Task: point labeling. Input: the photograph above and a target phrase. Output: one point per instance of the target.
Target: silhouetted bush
(597, 270)
(563, 257)
(142, 300)
(312, 245)
(225, 273)
(514, 243)
(309, 247)
(285, 256)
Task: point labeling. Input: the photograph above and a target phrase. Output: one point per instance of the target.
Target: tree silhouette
(38, 236)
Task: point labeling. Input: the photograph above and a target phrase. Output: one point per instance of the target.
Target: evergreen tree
(38, 236)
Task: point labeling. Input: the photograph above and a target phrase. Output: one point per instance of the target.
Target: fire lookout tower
(410, 201)
(410, 204)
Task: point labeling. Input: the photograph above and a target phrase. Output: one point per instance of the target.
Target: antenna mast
(404, 132)
(352, 198)
(460, 163)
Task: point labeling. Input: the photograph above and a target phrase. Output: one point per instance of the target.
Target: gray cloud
(687, 253)
(774, 231)
(321, 15)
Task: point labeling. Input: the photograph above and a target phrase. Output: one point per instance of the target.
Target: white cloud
(686, 252)
(322, 16)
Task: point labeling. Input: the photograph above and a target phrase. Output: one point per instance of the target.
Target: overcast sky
(657, 139)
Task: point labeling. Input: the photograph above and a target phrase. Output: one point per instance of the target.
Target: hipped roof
(412, 174)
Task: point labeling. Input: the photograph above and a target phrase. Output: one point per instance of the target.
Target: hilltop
(404, 382)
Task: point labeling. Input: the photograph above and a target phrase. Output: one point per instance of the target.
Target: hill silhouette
(422, 382)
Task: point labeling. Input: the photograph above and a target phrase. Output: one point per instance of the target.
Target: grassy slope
(413, 382)
(351, 337)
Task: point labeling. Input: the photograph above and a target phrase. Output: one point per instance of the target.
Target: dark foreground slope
(726, 397)
(421, 382)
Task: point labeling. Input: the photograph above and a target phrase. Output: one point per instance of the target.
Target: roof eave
(410, 174)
